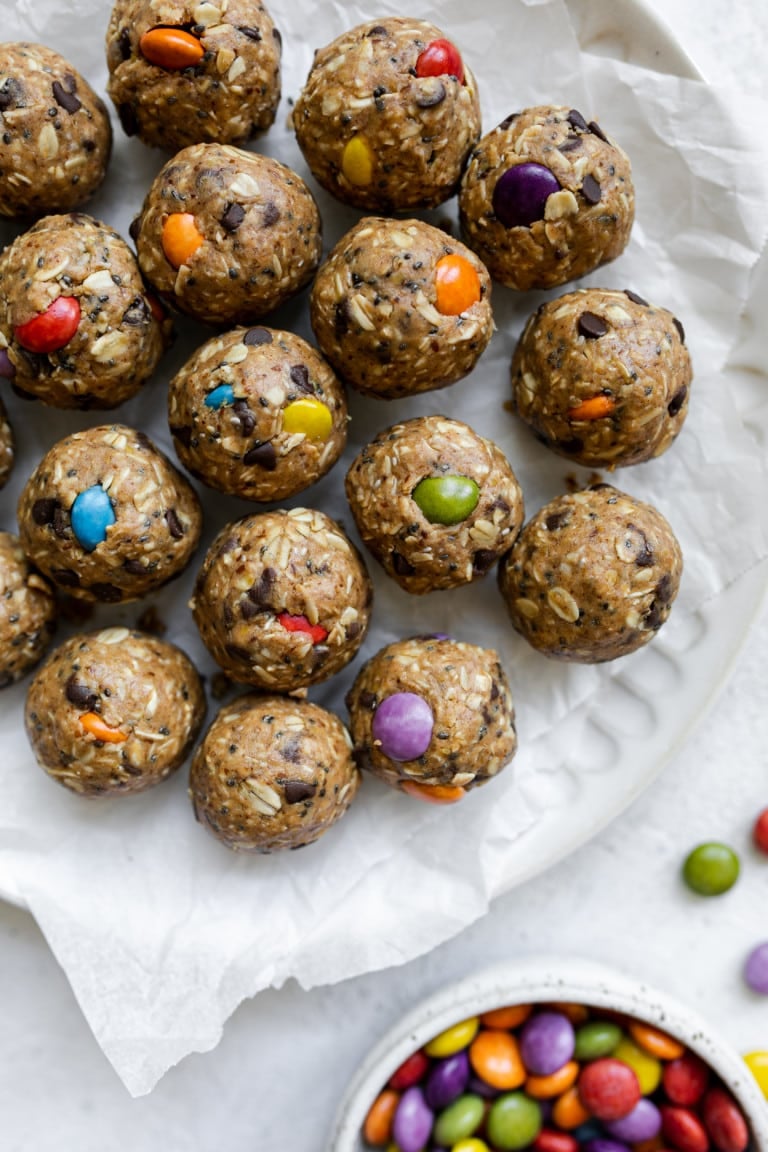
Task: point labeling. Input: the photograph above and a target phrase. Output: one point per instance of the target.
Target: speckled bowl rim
(539, 979)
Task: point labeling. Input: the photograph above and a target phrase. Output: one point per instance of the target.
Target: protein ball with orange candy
(185, 73)
(388, 115)
(592, 576)
(226, 235)
(603, 377)
(399, 308)
(114, 711)
(78, 326)
(433, 717)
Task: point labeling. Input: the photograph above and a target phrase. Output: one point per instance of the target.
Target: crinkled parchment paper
(161, 931)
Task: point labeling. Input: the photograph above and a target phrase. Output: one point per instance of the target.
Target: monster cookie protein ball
(27, 612)
(55, 136)
(257, 414)
(592, 576)
(283, 599)
(435, 503)
(546, 198)
(432, 716)
(227, 235)
(388, 116)
(107, 517)
(272, 773)
(602, 377)
(114, 711)
(7, 439)
(185, 72)
(77, 326)
(398, 308)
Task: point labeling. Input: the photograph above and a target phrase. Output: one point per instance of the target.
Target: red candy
(609, 1089)
(548, 1140)
(760, 831)
(685, 1079)
(440, 58)
(410, 1072)
(724, 1122)
(52, 329)
(683, 1129)
(316, 632)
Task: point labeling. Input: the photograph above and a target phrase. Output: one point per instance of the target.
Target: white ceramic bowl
(536, 980)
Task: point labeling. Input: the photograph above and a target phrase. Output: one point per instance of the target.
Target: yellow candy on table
(309, 416)
(357, 162)
(451, 1041)
(646, 1068)
(757, 1062)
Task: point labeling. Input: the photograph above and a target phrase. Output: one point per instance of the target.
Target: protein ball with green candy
(434, 502)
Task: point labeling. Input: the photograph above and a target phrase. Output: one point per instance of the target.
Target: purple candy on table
(756, 969)
(447, 1080)
(521, 194)
(6, 367)
(413, 1121)
(547, 1042)
(479, 1087)
(642, 1123)
(402, 726)
(602, 1145)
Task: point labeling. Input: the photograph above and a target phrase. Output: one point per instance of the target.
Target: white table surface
(274, 1081)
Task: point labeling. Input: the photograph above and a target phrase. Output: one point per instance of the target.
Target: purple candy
(479, 1087)
(642, 1123)
(447, 1080)
(413, 1121)
(402, 726)
(521, 194)
(602, 1145)
(6, 367)
(756, 969)
(547, 1043)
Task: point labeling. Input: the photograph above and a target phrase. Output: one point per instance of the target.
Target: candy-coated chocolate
(711, 869)
(455, 1038)
(646, 1068)
(7, 369)
(446, 499)
(171, 48)
(547, 1087)
(316, 632)
(521, 194)
(595, 1039)
(601, 1144)
(413, 1121)
(513, 1121)
(756, 969)
(569, 1111)
(683, 1129)
(410, 1072)
(495, 1057)
(447, 1080)
(724, 1122)
(377, 1128)
(459, 1120)
(440, 58)
(510, 1016)
(760, 831)
(685, 1079)
(95, 726)
(457, 285)
(757, 1062)
(576, 1013)
(550, 1140)
(655, 1042)
(220, 397)
(402, 728)
(357, 162)
(180, 238)
(91, 515)
(642, 1123)
(547, 1043)
(310, 417)
(609, 1089)
(473, 1144)
(52, 329)
(434, 793)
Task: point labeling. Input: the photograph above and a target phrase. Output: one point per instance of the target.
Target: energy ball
(7, 443)
(114, 711)
(399, 308)
(55, 135)
(27, 612)
(546, 198)
(77, 327)
(272, 773)
(432, 716)
(592, 576)
(388, 116)
(283, 599)
(435, 503)
(602, 377)
(227, 235)
(257, 414)
(107, 517)
(184, 72)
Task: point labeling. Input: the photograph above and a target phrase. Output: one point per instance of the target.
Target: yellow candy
(646, 1068)
(309, 416)
(357, 162)
(757, 1062)
(453, 1039)
(471, 1145)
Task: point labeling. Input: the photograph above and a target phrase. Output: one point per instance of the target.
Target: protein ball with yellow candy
(114, 711)
(602, 377)
(184, 74)
(388, 115)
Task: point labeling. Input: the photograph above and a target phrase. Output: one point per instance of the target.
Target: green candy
(514, 1121)
(711, 869)
(595, 1040)
(446, 499)
(460, 1120)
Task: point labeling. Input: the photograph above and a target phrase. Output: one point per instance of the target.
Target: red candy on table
(440, 58)
(410, 1072)
(760, 831)
(608, 1089)
(685, 1079)
(683, 1129)
(52, 329)
(724, 1122)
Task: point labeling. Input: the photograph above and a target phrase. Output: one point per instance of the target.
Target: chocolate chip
(277, 36)
(557, 520)
(401, 565)
(175, 526)
(677, 401)
(137, 312)
(300, 377)
(135, 567)
(591, 190)
(134, 228)
(66, 99)
(106, 593)
(483, 559)
(128, 119)
(430, 97)
(245, 418)
(262, 454)
(570, 144)
(378, 30)
(261, 592)
(341, 318)
(271, 214)
(600, 486)
(124, 44)
(591, 326)
(680, 329)
(633, 296)
(131, 769)
(298, 790)
(290, 750)
(9, 93)
(251, 33)
(43, 511)
(645, 557)
(664, 591)
(80, 695)
(353, 630)
(367, 700)
(508, 120)
(256, 336)
(248, 609)
(576, 120)
(66, 577)
(233, 217)
(237, 653)
(60, 522)
(596, 130)
(182, 433)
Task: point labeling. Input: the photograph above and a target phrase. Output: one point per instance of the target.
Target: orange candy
(576, 1013)
(593, 409)
(377, 1129)
(569, 1112)
(171, 48)
(457, 285)
(181, 238)
(545, 1087)
(508, 1017)
(434, 793)
(655, 1042)
(495, 1057)
(97, 728)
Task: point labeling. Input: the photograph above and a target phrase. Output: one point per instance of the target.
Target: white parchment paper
(162, 931)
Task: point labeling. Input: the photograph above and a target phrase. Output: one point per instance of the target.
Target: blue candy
(91, 515)
(220, 397)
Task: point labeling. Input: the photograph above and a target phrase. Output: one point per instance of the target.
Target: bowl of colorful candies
(558, 1055)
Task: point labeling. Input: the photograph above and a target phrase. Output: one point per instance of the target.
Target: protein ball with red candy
(283, 599)
(257, 413)
(388, 115)
(114, 711)
(400, 308)
(106, 517)
(546, 198)
(186, 73)
(433, 717)
(55, 134)
(27, 612)
(227, 235)
(272, 772)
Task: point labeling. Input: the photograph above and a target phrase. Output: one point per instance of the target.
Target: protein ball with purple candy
(27, 612)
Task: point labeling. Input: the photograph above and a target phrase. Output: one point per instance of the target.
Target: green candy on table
(514, 1121)
(446, 499)
(711, 869)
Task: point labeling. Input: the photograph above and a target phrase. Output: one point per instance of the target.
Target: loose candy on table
(757, 1062)
(756, 969)
(52, 329)
(760, 829)
(711, 869)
